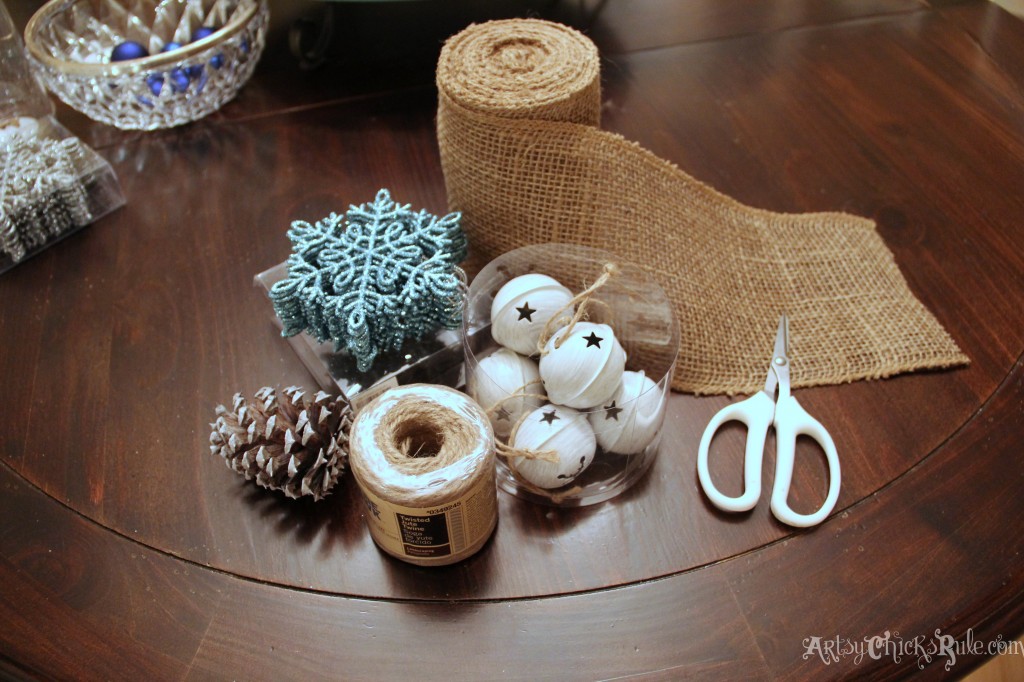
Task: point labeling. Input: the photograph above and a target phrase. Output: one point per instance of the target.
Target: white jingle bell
(522, 307)
(499, 376)
(586, 366)
(559, 430)
(629, 421)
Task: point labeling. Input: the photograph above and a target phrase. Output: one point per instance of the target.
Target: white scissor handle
(791, 420)
(756, 412)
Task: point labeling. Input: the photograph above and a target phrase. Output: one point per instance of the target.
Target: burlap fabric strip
(525, 162)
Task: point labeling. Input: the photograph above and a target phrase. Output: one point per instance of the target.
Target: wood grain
(646, 24)
(157, 561)
(919, 556)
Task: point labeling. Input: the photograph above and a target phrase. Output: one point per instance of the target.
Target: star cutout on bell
(503, 415)
(525, 311)
(593, 340)
(612, 412)
(550, 417)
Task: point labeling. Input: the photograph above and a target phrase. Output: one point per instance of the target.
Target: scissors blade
(778, 372)
(782, 339)
(779, 366)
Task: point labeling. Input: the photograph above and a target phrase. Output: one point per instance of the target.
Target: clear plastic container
(51, 184)
(641, 315)
(21, 95)
(435, 359)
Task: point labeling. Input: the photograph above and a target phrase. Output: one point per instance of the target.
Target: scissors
(759, 412)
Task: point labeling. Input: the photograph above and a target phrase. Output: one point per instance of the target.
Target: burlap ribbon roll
(525, 163)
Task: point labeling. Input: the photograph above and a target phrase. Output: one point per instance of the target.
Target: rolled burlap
(525, 163)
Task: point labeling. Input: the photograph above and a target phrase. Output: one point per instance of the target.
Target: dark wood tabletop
(127, 551)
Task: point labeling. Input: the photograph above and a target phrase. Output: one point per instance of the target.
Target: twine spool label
(433, 533)
(423, 457)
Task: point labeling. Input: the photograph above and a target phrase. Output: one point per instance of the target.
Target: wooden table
(128, 551)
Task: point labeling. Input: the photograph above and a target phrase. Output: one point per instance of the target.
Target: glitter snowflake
(373, 278)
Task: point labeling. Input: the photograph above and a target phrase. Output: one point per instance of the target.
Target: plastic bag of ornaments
(577, 401)
(51, 183)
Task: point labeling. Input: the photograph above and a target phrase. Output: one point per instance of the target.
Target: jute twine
(581, 301)
(512, 454)
(506, 449)
(420, 445)
(525, 163)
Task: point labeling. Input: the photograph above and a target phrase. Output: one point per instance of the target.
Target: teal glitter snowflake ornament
(373, 278)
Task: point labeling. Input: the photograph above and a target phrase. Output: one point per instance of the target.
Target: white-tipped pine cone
(287, 443)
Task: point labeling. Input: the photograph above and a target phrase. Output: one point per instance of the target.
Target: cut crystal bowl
(191, 56)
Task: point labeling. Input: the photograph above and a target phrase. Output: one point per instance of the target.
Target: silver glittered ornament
(20, 126)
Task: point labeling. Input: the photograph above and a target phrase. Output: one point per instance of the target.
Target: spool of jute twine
(526, 163)
(423, 457)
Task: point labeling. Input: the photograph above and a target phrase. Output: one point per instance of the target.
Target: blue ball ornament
(155, 81)
(217, 60)
(179, 80)
(180, 77)
(204, 32)
(127, 50)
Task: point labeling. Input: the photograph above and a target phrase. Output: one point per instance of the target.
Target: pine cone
(284, 444)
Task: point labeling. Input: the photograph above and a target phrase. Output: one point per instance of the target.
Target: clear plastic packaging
(640, 314)
(51, 184)
(433, 360)
(21, 95)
